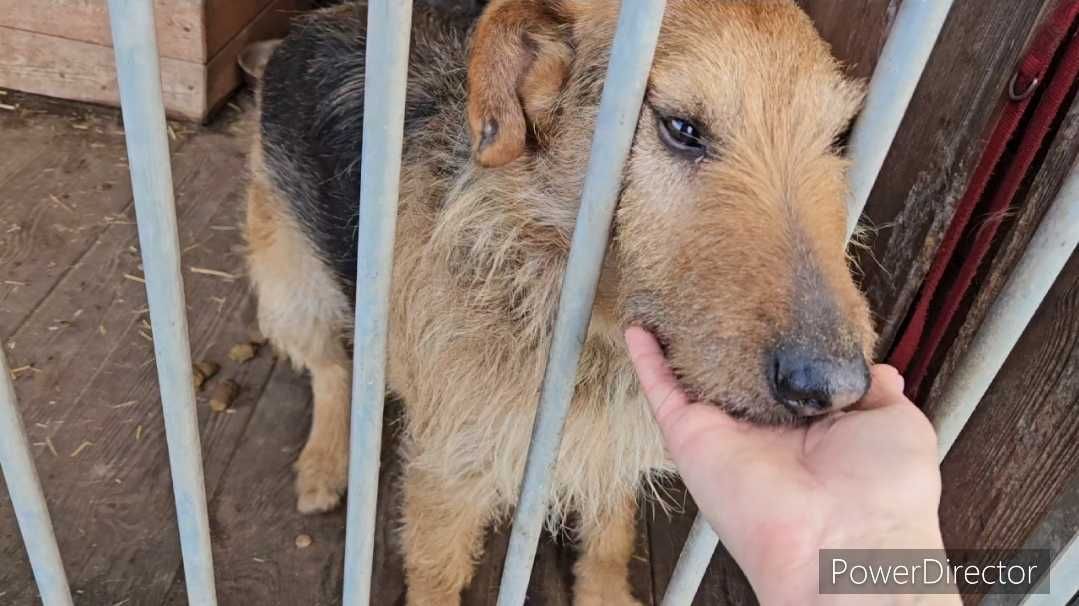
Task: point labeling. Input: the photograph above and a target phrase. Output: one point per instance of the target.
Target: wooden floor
(75, 329)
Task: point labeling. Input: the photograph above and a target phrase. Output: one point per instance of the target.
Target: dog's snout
(811, 383)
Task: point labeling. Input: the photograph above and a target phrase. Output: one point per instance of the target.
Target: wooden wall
(1021, 447)
(63, 48)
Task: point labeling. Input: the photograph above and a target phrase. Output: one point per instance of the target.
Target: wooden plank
(49, 65)
(1061, 154)
(189, 30)
(57, 203)
(1032, 402)
(925, 176)
(225, 19)
(223, 74)
(857, 47)
(1053, 532)
(255, 523)
(181, 24)
(81, 71)
(95, 401)
(1022, 444)
(22, 131)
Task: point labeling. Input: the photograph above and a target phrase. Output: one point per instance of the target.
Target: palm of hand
(867, 478)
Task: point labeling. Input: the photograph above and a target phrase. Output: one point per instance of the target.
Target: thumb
(717, 456)
(657, 380)
(685, 425)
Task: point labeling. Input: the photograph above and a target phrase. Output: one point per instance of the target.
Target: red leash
(1042, 83)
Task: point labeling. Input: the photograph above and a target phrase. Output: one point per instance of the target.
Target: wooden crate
(62, 48)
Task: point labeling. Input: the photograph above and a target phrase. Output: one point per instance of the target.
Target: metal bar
(139, 76)
(902, 61)
(1041, 263)
(28, 500)
(389, 25)
(620, 107)
(692, 563)
(1061, 582)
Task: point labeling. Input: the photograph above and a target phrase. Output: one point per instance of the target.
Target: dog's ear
(518, 62)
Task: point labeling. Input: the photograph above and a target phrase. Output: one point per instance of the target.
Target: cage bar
(620, 107)
(692, 563)
(1043, 260)
(389, 28)
(27, 498)
(1060, 583)
(138, 72)
(899, 69)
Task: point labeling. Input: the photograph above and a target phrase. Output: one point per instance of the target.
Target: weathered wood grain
(856, 46)
(94, 396)
(937, 147)
(71, 185)
(223, 74)
(54, 65)
(253, 518)
(1018, 227)
(189, 30)
(81, 71)
(181, 24)
(1054, 532)
(1022, 444)
(31, 137)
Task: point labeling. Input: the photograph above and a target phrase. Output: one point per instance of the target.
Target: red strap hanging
(993, 187)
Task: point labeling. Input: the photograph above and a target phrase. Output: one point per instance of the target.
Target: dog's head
(730, 230)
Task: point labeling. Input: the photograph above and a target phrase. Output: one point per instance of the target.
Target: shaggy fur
(725, 256)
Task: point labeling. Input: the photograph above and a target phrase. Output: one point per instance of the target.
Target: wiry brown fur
(722, 256)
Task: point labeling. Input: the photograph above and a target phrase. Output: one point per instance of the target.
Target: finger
(685, 425)
(657, 380)
(885, 388)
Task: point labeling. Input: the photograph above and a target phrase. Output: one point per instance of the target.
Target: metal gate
(917, 27)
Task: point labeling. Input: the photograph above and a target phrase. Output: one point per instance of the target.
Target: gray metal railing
(27, 499)
(904, 57)
(138, 72)
(1064, 574)
(388, 33)
(627, 77)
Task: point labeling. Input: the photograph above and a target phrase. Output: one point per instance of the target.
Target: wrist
(779, 577)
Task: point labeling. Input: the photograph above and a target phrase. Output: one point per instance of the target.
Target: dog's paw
(321, 478)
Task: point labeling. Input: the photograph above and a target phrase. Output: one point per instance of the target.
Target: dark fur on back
(312, 117)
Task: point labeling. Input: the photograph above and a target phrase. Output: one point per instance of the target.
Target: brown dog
(729, 245)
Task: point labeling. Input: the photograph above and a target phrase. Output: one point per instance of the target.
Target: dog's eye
(682, 136)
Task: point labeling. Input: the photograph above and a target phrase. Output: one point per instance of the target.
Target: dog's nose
(811, 383)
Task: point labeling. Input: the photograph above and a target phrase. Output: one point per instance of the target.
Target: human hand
(865, 478)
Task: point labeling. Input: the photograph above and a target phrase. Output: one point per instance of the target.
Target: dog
(729, 245)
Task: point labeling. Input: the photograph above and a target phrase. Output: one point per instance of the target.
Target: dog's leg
(302, 311)
(322, 469)
(602, 571)
(442, 536)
